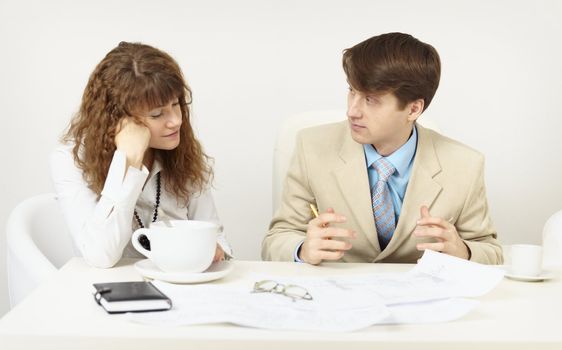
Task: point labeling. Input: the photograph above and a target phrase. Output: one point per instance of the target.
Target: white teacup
(526, 260)
(187, 246)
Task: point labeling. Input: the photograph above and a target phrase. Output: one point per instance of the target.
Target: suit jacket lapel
(422, 190)
(353, 182)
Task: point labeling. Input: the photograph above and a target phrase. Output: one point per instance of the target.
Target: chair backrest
(38, 243)
(552, 241)
(285, 143)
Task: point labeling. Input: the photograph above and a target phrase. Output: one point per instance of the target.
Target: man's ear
(415, 109)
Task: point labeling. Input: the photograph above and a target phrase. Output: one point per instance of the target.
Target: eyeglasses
(290, 290)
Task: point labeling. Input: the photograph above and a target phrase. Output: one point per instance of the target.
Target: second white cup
(526, 260)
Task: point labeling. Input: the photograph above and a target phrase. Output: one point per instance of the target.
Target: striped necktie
(383, 208)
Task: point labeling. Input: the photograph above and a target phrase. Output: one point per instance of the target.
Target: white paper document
(219, 303)
(433, 291)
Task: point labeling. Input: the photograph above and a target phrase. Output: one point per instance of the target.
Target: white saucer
(215, 271)
(544, 276)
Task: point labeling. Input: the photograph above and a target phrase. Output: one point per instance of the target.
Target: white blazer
(102, 229)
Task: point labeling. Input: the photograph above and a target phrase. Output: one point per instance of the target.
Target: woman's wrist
(134, 159)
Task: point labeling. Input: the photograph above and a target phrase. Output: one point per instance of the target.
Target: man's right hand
(132, 138)
(319, 245)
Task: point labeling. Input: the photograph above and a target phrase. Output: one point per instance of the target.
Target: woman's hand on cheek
(132, 138)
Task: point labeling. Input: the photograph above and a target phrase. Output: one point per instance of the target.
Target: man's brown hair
(394, 62)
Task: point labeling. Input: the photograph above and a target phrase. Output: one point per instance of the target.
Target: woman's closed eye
(155, 113)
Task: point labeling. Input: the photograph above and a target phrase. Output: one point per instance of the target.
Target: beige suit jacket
(328, 168)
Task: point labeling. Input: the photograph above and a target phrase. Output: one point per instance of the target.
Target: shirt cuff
(296, 254)
(223, 243)
(121, 182)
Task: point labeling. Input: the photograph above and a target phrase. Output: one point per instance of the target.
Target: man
(387, 188)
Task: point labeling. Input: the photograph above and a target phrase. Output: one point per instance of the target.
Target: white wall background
(252, 63)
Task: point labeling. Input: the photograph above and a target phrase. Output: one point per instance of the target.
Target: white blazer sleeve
(100, 229)
(202, 207)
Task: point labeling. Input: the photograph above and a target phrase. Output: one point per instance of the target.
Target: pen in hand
(320, 244)
(315, 213)
(314, 210)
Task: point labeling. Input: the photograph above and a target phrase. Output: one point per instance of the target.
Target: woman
(130, 156)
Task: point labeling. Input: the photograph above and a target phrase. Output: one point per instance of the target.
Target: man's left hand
(447, 238)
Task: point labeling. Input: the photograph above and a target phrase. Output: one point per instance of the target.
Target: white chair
(285, 143)
(552, 241)
(38, 243)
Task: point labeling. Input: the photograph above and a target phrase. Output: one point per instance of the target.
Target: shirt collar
(400, 159)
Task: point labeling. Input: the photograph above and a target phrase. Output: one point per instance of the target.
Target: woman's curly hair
(133, 76)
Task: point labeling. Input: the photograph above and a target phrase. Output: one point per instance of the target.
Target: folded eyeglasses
(289, 290)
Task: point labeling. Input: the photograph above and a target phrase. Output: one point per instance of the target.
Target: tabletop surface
(61, 313)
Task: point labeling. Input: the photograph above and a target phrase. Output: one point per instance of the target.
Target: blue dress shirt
(402, 160)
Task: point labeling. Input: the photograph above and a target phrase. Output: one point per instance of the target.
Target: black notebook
(120, 297)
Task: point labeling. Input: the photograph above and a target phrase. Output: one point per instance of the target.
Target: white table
(61, 314)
